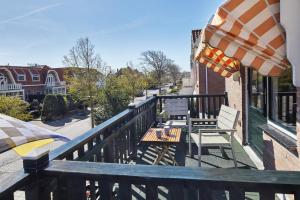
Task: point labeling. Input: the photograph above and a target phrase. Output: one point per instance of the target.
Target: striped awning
(248, 31)
(216, 60)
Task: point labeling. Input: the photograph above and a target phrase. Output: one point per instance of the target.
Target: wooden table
(165, 141)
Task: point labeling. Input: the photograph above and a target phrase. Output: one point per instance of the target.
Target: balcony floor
(211, 158)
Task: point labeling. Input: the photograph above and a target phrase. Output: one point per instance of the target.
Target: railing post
(155, 108)
(133, 133)
(33, 163)
(226, 99)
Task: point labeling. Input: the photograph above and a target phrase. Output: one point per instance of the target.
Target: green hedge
(54, 107)
(14, 107)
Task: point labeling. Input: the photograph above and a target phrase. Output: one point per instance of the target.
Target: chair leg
(234, 158)
(232, 150)
(199, 156)
(200, 148)
(190, 145)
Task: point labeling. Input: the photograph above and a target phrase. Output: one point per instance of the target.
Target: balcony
(55, 84)
(110, 163)
(10, 87)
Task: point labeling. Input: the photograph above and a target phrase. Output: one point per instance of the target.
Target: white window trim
(21, 75)
(285, 131)
(36, 75)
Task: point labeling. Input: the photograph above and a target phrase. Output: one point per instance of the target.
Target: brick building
(204, 79)
(268, 97)
(26, 82)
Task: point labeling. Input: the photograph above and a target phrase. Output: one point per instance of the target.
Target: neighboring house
(26, 82)
(204, 79)
(270, 104)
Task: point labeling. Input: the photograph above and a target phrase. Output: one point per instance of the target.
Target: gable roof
(29, 71)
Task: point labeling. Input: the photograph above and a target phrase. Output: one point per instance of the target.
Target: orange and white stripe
(216, 59)
(249, 31)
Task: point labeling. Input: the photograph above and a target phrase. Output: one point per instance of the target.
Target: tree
(85, 72)
(113, 98)
(158, 62)
(14, 107)
(174, 72)
(132, 80)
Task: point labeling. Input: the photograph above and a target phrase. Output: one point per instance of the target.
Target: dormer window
(35, 77)
(21, 77)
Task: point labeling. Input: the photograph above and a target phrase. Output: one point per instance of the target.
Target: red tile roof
(28, 71)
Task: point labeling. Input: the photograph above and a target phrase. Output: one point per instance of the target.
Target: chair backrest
(176, 107)
(228, 117)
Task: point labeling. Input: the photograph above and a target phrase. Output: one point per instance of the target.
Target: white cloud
(28, 14)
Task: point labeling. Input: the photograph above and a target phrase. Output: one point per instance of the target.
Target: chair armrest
(162, 113)
(216, 130)
(203, 120)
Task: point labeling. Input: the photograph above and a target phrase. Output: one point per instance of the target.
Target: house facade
(27, 82)
(269, 122)
(204, 79)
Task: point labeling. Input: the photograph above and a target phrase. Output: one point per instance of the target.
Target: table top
(172, 137)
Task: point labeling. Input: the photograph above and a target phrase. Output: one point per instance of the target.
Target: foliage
(86, 69)
(54, 107)
(174, 72)
(174, 90)
(133, 81)
(15, 107)
(113, 98)
(35, 105)
(35, 108)
(62, 104)
(158, 62)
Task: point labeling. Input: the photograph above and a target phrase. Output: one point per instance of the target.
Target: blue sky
(43, 31)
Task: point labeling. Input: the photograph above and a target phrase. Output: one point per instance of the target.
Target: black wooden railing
(287, 107)
(109, 174)
(200, 106)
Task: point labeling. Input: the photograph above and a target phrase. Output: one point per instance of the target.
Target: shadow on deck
(211, 158)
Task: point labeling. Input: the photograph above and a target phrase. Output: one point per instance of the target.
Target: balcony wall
(8, 87)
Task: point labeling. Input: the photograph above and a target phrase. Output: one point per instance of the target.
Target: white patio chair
(213, 135)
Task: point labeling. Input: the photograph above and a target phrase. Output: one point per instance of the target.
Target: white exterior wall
(289, 17)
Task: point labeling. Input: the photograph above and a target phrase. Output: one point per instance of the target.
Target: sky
(43, 31)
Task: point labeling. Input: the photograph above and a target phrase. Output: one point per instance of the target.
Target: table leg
(160, 155)
(171, 157)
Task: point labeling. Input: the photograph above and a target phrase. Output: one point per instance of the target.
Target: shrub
(174, 90)
(15, 107)
(50, 108)
(35, 105)
(54, 107)
(62, 105)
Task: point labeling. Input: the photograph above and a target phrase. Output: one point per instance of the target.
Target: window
(283, 102)
(35, 77)
(257, 91)
(50, 80)
(21, 77)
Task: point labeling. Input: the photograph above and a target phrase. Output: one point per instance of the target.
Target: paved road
(186, 91)
(70, 127)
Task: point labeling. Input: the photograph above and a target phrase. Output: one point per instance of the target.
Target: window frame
(267, 105)
(21, 75)
(35, 75)
(276, 124)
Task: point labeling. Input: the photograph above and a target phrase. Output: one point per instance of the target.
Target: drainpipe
(206, 81)
(206, 89)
